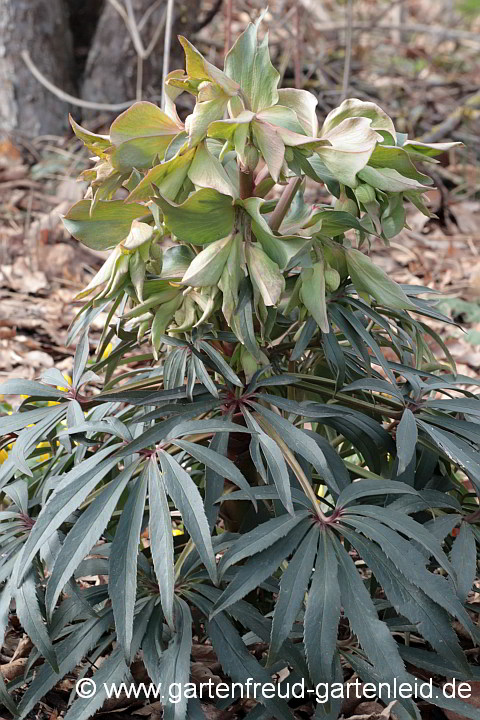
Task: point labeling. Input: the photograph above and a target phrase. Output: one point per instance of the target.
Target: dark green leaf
(69, 494)
(373, 635)
(368, 488)
(240, 664)
(260, 538)
(188, 500)
(464, 560)
(300, 443)
(275, 461)
(220, 464)
(70, 652)
(407, 436)
(411, 563)
(293, 586)
(84, 534)
(174, 664)
(431, 620)
(30, 615)
(323, 613)
(260, 567)
(214, 482)
(409, 527)
(161, 538)
(122, 583)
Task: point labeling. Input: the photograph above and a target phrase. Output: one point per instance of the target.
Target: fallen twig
(66, 97)
(452, 121)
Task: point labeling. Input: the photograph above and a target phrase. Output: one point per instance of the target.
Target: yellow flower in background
(44, 456)
(107, 351)
(69, 381)
(176, 531)
(3, 456)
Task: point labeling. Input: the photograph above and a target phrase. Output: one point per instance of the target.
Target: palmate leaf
(70, 652)
(411, 563)
(323, 613)
(373, 635)
(261, 537)
(293, 586)
(69, 494)
(113, 671)
(84, 534)
(259, 567)
(431, 620)
(240, 664)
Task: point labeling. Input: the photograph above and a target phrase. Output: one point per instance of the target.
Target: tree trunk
(42, 28)
(111, 71)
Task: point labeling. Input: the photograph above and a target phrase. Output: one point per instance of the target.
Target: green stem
(183, 556)
(295, 466)
(284, 203)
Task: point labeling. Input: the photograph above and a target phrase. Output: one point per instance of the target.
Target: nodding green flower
(195, 222)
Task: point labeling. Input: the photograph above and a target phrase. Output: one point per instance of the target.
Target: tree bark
(111, 71)
(42, 28)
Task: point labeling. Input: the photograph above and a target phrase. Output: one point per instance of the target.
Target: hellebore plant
(272, 412)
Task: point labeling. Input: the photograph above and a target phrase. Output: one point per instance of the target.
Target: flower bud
(345, 204)
(365, 194)
(334, 255)
(249, 364)
(332, 278)
(251, 157)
